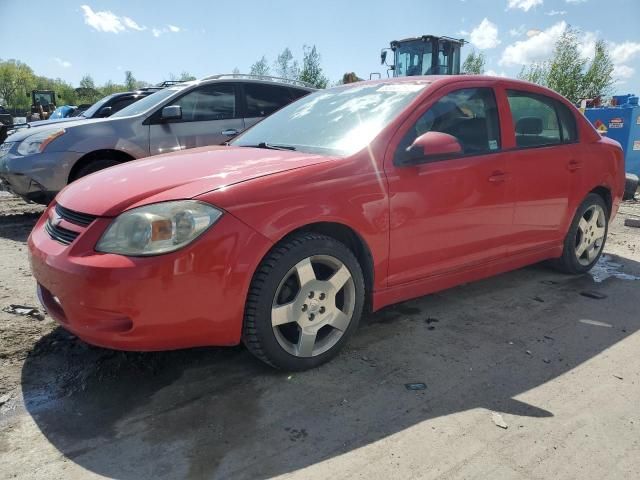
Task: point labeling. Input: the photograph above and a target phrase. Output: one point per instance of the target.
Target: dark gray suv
(38, 162)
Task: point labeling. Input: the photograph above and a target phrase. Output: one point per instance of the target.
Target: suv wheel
(304, 303)
(94, 166)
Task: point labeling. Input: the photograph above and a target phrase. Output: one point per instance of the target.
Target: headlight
(37, 142)
(158, 228)
(4, 148)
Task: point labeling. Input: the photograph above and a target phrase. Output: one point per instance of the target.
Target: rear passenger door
(261, 100)
(210, 116)
(545, 164)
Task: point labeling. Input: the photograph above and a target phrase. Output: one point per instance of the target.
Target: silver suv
(36, 163)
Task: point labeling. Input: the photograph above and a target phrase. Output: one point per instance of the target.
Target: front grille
(60, 234)
(77, 218)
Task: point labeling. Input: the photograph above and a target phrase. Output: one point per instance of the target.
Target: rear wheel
(94, 166)
(304, 303)
(585, 240)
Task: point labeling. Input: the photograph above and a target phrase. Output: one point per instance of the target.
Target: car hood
(176, 176)
(53, 121)
(23, 132)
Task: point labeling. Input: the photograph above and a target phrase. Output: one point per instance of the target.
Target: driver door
(450, 213)
(210, 116)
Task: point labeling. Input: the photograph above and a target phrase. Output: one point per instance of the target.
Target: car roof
(247, 78)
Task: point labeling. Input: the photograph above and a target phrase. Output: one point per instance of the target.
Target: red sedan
(345, 201)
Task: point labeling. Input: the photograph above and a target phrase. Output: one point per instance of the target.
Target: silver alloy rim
(590, 235)
(313, 306)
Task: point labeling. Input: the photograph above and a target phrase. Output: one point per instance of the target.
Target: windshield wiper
(272, 146)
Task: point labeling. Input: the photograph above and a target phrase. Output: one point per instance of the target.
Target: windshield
(93, 109)
(146, 103)
(60, 112)
(413, 58)
(339, 121)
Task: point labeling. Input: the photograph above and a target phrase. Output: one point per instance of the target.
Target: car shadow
(18, 227)
(219, 413)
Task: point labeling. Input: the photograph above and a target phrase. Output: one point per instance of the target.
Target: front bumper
(37, 177)
(192, 297)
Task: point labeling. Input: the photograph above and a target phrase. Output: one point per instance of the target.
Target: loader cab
(426, 55)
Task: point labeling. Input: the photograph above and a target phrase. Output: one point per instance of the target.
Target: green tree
(311, 70)
(535, 73)
(87, 82)
(16, 80)
(186, 77)
(285, 65)
(567, 66)
(598, 79)
(569, 73)
(236, 71)
(474, 63)
(129, 80)
(261, 67)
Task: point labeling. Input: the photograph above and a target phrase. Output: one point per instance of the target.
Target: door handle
(574, 165)
(230, 132)
(498, 177)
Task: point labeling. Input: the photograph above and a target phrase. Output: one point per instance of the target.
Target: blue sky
(154, 38)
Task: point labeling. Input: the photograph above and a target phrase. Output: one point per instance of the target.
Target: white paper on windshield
(401, 87)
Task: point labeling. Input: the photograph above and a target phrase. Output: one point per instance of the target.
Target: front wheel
(304, 303)
(585, 240)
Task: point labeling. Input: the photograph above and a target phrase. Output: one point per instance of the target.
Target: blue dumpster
(621, 123)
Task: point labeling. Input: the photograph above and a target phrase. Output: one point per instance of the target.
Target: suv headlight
(37, 142)
(4, 148)
(158, 228)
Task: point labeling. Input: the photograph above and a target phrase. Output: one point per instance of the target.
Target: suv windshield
(146, 103)
(339, 121)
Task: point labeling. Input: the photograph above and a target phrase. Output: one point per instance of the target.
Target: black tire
(569, 262)
(94, 166)
(258, 332)
(630, 186)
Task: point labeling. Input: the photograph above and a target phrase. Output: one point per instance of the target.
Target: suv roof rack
(168, 83)
(269, 78)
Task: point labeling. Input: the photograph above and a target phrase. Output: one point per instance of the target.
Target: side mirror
(383, 57)
(105, 112)
(171, 112)
(432, 146)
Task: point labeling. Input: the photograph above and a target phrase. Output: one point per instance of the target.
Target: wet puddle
(606, 268)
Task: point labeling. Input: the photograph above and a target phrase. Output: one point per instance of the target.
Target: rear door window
(209, 102)
(539, 120)
(263, 100)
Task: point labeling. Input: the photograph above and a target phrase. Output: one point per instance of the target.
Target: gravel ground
(526, 350)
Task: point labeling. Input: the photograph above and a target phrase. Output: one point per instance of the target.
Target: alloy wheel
(313, 306)
(590, 235)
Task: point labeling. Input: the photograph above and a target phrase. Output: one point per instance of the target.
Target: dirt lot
(560, 368)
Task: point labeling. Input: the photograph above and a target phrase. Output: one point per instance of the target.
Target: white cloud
(553, 13)
(525, 5)
(538, 47)
(109, 22)
(575, 1)
(533, 32)
(62, 63)
(161, 31)
(493, 73)
(485, 35)
(105, 21)
(132, 24)
(622, 72)
(623, 52)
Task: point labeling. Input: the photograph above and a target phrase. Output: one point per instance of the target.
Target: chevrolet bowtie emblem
(56, 220)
